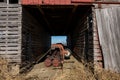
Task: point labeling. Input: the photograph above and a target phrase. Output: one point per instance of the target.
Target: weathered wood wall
(35, 40)
(98, 57)
(82, 38)
(10, 32)
(108, 22)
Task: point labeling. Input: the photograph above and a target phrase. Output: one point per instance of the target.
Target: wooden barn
(92, 28)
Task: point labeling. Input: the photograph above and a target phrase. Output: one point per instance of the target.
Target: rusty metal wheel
(56, 62)
(48, 62)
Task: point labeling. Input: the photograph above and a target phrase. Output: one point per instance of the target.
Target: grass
(80, 72)
(4, 71)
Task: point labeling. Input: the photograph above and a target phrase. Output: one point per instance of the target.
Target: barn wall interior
(35, 40)
(74, 22)
(82, 37)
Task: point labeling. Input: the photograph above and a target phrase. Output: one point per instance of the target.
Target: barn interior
(40, 22)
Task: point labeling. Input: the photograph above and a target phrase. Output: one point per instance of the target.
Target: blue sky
(58, 39)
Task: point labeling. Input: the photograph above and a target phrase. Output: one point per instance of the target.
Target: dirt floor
(40, 72)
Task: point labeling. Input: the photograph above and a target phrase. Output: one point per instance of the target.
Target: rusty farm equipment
(56, 55)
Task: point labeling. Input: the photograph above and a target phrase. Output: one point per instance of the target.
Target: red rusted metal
(94, 2)
(57, 1)
(31, 2)
(46, 2)
(63, 2)
(48, 62)
(56, 55)
(56, 62)
(24, 2)
(62, 51)
(68, 1)
(82, 0)
(52, 2)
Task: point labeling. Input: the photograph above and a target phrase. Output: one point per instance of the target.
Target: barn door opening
(59, 39)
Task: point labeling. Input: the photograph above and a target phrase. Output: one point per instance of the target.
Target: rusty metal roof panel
(31, 2)
(51, 2)
(82, 0)
(110, 0)
(66, 2)
(56, 2)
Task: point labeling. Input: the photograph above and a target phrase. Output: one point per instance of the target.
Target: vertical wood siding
(82, 39)
(98, 57)
(108, 22)
(35, 40)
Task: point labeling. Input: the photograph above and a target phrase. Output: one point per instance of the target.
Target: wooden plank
(16, 26)
(2, 53)
(15, 13)
(2, 41)
(13, 39)
(10, 5)
(9, 52)
(13, 33)
(2, 34)
(13, 45)
(8, 48)
(10, 25)
(5, 53)
(14, 60)
(18, 21)
(2, 44)
(12, 56)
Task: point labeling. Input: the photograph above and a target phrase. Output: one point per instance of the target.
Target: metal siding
(110, 0)
(109, 30)
(55, 2)
(31, 2)
(83, 0)
(46, 1)
(35, 2)
(58, 2)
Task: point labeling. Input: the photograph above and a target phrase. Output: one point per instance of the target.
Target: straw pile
(78, 71)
